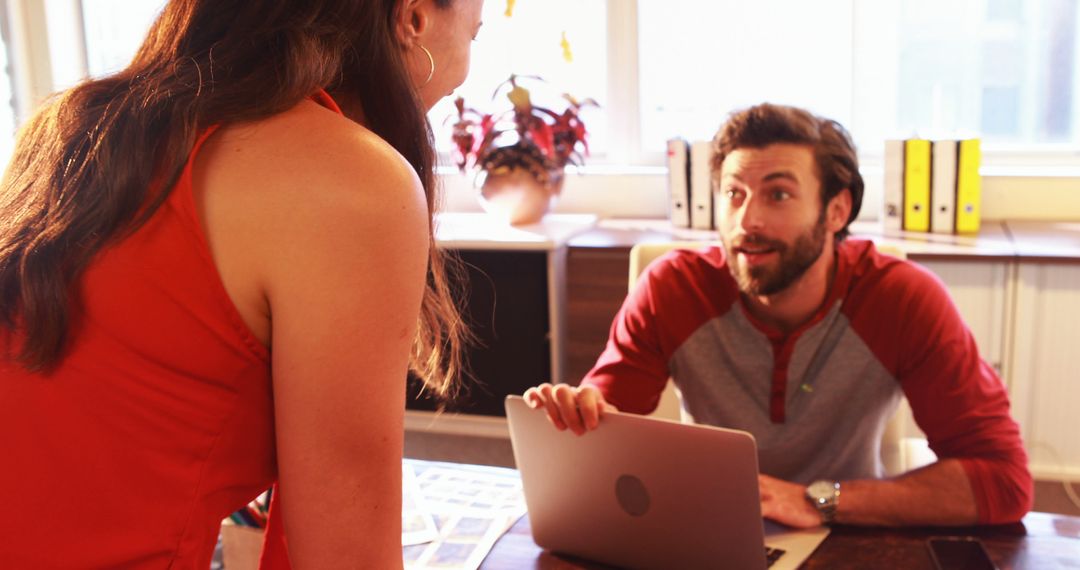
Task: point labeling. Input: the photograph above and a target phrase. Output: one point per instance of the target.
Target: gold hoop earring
(431, 62)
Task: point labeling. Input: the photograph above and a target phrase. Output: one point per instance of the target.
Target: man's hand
(577, 408)
(786, 503)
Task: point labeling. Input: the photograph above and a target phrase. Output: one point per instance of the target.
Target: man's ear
(839, 209)
(412, 21)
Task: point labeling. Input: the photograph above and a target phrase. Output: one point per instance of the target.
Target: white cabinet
(1045, 366)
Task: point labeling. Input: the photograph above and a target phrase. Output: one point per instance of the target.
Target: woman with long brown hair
(216, 267)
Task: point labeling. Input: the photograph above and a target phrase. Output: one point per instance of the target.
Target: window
(1004, 70)
(529, 43)
(114, 31)
(7, 94)
(700, 60)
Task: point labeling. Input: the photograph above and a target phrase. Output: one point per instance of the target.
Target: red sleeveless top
(156, 425)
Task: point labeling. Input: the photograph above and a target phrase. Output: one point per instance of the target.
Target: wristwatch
(825, 496)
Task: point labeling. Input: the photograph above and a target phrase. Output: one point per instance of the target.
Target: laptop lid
(640, 492)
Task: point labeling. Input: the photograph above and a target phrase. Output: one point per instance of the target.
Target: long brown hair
(99, 159)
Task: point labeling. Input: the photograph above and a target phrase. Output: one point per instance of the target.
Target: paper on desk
(471, 510)
(461, 491)
(417, 524)
(463, 543)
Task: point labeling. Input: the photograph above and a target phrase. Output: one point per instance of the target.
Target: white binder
(678, 182)
(943, 186)
(701, 195)
(892, 206)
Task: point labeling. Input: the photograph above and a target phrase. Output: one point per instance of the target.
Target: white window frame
(28, 55)
(623, 96)
(37, 71)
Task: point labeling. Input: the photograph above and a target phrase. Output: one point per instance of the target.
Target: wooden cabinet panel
(596, 287)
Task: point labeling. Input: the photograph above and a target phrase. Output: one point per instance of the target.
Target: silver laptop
(640, 492)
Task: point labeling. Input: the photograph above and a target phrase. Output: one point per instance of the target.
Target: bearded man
(808, 340)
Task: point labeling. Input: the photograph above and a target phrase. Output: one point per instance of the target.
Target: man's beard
(763, 280)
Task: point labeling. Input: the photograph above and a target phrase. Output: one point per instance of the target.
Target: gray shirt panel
(833, 424)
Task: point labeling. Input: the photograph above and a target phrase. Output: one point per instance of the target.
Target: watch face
(821, 490)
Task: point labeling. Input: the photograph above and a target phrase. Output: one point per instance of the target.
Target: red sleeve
(956, 398)
(693, 287)
(632, 370)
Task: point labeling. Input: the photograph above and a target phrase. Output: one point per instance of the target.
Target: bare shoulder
(301, 194)
(305, 168)
(312, 147)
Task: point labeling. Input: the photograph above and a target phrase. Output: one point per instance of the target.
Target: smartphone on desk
(959, 553)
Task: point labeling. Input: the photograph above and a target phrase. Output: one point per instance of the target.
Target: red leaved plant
(527, 136)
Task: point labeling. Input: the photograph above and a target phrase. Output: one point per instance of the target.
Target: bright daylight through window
(529, 42)
(1004, 70)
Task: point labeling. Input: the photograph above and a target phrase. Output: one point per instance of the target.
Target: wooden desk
(1042, 542)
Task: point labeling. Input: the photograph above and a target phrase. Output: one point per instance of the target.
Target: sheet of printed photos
(417, 524)
(470, 509)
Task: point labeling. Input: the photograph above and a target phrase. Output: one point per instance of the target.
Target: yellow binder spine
(917, 185)
(968, 187)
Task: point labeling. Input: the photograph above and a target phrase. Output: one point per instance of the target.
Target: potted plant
(521, 153)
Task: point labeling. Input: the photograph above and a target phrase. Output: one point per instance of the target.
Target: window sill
(1009, 192)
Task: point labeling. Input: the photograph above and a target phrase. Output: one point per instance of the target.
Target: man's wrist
(824, 495)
